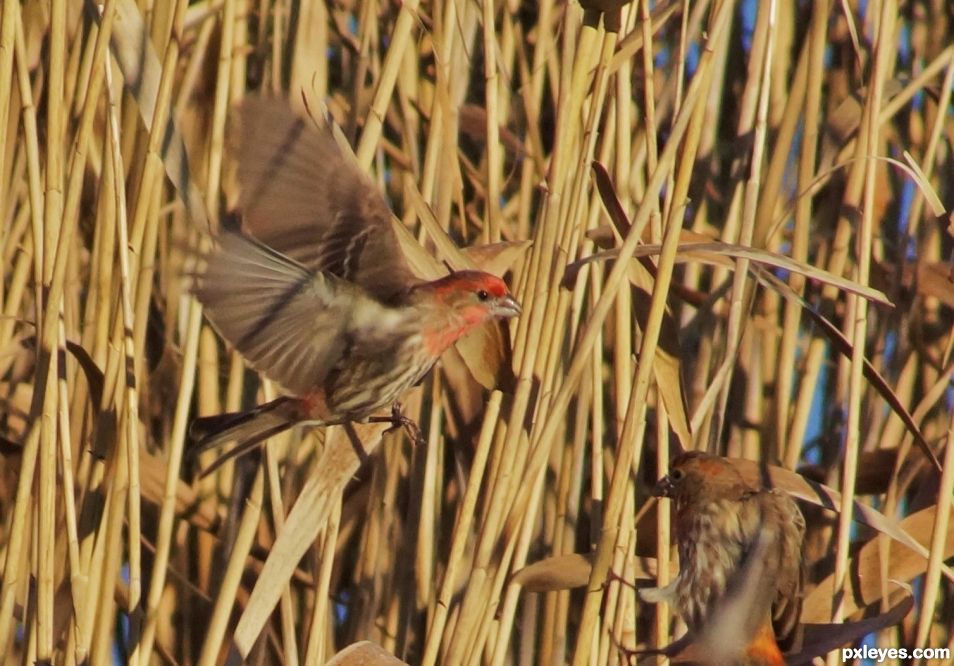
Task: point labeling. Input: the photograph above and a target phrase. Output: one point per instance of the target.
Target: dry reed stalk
(800, 236)
(232, 577)
(857, 308)
(289, 640)
(634, 425)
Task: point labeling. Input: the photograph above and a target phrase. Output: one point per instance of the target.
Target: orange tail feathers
(763, 650)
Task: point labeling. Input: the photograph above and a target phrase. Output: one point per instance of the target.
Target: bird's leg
(633, 655)
(356, 442)
(612, 576)
(397, 419)
(627, 655)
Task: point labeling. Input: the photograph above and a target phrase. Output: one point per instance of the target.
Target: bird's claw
(397, 419)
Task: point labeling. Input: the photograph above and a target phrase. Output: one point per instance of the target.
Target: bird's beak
(507, 307)
(663, 487)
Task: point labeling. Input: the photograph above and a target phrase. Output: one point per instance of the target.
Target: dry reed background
(772, 134)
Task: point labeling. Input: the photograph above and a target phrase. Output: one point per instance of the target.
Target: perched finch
(740, 571)
(317, 296)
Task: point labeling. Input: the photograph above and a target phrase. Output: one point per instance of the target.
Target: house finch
(740, 572)
(318, 298)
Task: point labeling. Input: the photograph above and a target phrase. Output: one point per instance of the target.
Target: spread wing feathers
(290, 324)
(772, 529)
(740, 613)
(303, 197)
(787, 606)
(773, 553)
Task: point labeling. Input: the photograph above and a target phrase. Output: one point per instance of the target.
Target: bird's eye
(676, 474)
(483, 295)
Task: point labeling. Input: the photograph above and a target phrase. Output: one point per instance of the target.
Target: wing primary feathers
(283, 154)
(301, 195)
(265, 304)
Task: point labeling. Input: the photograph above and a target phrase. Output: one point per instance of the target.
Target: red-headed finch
(318, 297)
(740, 563)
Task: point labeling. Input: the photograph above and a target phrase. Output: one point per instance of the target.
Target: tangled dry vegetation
(790, 303)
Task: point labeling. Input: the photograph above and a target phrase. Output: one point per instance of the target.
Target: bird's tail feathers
(247, 429)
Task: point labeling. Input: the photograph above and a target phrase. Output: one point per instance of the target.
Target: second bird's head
(699, 477)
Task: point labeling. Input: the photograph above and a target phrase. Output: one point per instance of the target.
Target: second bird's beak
(507, 307)
(663, 487)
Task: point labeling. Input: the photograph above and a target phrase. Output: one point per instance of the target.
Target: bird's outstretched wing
(301, 195)
(762, 597)
(290, 324)
(787, 605)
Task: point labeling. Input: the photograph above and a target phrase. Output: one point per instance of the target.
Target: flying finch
(740, 571)
(317, 296)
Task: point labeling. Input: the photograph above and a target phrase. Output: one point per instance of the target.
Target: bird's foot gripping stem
(397, 419)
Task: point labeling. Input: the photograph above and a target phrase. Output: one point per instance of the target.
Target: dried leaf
(422, 264)
(565, 572)
(844, 121)
(562, 572)
(666, 364)
(930, 195)
(715, 252)
(633, 41)
(94, 376)
(876, 470)
(364, 653)
(497, 258)
(445, 246)
(937, 280)
(465, 393)
(843, 345)
(472, 121)
(95, 379)
(820, 639)
(604, 237)
(487, 354)
(904, 564)
(338, 463)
